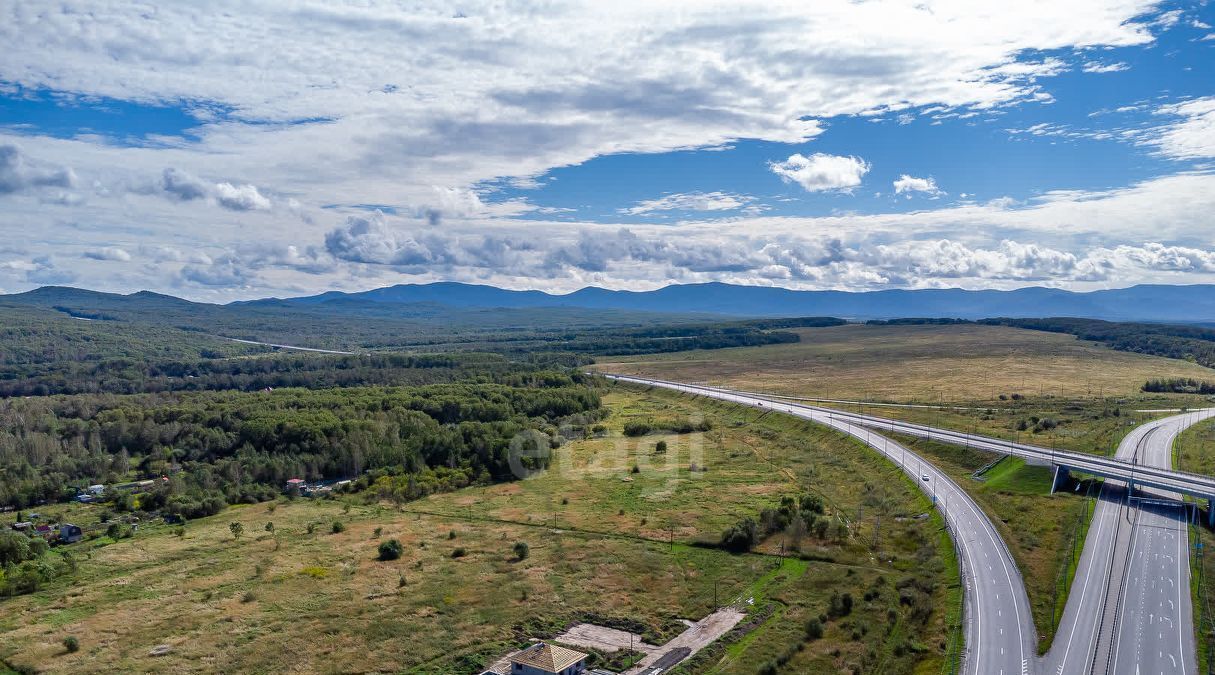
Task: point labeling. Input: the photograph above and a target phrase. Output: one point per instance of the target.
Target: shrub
(270, 528)
(311, 528)
(451, 534)
(391, 550)
(636, 428)
(378, 532)
(71, 644)
(741, 536)
(237, 529)
(814, 629)
(249, 596)
(338, 527)
(660, 447)
(636, 469)
(459, 553)
(521, 550)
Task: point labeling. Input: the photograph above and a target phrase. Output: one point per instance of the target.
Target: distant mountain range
(1158, 303)
(1189, 304)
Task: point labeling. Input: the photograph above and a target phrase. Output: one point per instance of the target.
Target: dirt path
(694, 639)
(604, 639)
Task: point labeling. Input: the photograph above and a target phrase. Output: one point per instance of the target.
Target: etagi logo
(657, 461)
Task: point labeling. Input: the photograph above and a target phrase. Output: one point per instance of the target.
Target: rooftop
(548, 657)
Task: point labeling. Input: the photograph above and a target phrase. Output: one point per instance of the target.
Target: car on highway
(925, 477)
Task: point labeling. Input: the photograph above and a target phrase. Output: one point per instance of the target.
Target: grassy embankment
(1194, 450)
(318, 598)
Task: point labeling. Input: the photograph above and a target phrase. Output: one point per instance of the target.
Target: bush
(459, 553)
(660, 447)
(814, 629)
(637, 428)
(338, 527)
(391, 550)
(236, 528)
(521, 550)
(451, 534)
(249, 596)
(741, 536)
(71, 644)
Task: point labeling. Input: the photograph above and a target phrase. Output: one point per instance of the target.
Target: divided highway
(1130, 610)
(1000, 637)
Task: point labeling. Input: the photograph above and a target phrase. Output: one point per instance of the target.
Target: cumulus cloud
(240, 198)
(906, 184)
(186, 187)
(112, 253)
(820, 171)
(226, 272)
(372, 239)
(17, 172)
(690, 201)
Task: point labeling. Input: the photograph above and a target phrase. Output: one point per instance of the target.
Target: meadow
(295, 592)
(917, 364)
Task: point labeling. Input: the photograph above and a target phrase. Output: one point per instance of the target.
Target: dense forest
(43, 351)
(217, 448)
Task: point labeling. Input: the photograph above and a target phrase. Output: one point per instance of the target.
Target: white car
(925, 477)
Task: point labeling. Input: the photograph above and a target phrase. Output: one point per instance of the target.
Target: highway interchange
(1130, 610)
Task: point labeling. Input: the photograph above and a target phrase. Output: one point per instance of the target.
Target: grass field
(916, 364)
(622, 547)
(1044, 531)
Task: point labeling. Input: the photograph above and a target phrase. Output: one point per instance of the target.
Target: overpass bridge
(1135, 475)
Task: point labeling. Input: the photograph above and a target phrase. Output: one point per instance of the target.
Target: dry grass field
(621, 546)
(916, 364)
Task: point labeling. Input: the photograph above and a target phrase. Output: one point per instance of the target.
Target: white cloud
(1099, 67)
(907, 184)
(240, 198)
(1191, 137)
(186, 187)
(820, 171)
(691, 201)
(112, 253)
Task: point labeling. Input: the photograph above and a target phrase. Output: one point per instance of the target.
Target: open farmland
(916, 364)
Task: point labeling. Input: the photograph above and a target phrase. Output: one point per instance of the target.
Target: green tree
(521, 550)
(391, 549)
(237, 529)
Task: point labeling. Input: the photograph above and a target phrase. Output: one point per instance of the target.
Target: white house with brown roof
(545, 659)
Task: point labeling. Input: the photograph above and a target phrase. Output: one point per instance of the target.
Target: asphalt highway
(999, 635)
(1130, 609)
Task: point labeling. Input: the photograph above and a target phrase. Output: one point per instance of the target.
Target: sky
(232, 150)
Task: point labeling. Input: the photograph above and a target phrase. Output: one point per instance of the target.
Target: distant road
(278, 346)
(1000, 635)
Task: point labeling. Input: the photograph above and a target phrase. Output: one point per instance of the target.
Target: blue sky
(256, 149)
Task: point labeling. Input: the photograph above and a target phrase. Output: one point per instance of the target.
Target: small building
(545, 659)
(70, 534)
(96, 489)
(296, 483)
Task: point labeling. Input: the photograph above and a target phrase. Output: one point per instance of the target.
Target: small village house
(546, 659)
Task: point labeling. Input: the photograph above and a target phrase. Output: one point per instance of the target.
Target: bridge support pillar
(1062, 476)
(1211, 512)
